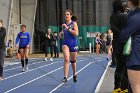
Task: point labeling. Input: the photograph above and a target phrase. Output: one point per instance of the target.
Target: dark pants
(46, 50)
(2, 56)
(113, 59)
(56, 52)
(121, 79)
(129, 89)
(114, 53)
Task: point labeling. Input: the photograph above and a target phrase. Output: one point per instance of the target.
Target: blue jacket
(132, 29)
(23, 39)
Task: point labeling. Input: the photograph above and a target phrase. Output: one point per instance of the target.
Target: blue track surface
(45, 77)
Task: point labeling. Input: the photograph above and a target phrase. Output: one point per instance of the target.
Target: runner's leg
(73, 56)
(66, 59)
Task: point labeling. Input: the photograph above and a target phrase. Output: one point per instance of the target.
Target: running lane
(45, 77)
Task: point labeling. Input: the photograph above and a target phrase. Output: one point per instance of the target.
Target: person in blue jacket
(70, 44)
(23, 38)
(132, 29)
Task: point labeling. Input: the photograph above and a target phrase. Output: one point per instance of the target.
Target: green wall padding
(84, 42)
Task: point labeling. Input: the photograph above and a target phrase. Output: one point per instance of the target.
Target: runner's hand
(60, 34)
(16, 46)
(64, 26)
(49, 36)
(27, 46)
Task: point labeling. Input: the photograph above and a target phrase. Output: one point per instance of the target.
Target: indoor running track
(45, 77)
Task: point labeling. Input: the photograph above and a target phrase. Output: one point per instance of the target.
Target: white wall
(5, 6)
(15, 16)
(9, 13)
(15, 21)
(5, 9)
(28, 11)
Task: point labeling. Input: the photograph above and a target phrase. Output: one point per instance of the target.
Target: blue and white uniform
(69, 39)
(23, 38)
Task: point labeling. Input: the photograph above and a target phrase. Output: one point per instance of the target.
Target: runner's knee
(73, 61)
(66, 60)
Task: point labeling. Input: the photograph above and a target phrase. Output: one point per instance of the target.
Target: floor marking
(29, 71)
(36, 78)
(72, 76)
(32, 80)
(15, 62)
(20, 66)
(102, 78)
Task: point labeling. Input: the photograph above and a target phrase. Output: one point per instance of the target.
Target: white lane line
(101, 79)
(36, 78)
(10, 63)
(32, 70)
(29, 64)
(6, 64)
(72, 76)
(32, 80)
(29, 71)
(20, 66)
(17, 61)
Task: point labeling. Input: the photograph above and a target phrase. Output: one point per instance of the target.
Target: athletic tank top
(68, 37)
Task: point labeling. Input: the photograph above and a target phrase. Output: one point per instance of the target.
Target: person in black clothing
(2, 48)
(55, 39)
(117, 23)
(49, 44)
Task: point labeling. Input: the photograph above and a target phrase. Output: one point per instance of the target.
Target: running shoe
(46, 59)
(118, 90)
(64, 80)
(74, 79)
(23, 69)
(26, 68)
(51, 59)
